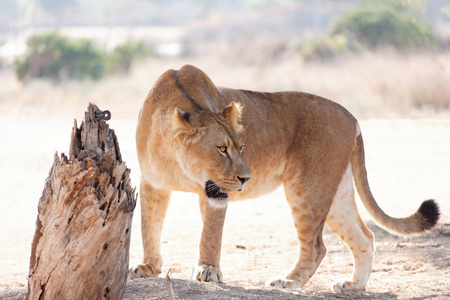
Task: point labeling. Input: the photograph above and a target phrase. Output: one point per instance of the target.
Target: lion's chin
(216, 197)
(218, 203)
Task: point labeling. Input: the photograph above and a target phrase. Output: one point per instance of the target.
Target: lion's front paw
(143, 271)
(348, 286)
(284, 283)
(209, 273)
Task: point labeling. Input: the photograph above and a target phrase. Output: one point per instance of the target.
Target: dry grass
(370, 85)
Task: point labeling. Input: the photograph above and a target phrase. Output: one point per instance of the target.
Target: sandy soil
(408, 161)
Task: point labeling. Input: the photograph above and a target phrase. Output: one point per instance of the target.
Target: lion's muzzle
(213, 191)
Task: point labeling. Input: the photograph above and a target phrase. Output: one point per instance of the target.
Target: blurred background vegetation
(373, 25)
(56, 57)
(376, 57)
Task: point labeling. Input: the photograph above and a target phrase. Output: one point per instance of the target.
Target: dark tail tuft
(429, 210)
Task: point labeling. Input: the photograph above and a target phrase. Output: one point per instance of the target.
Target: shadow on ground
(182, 289)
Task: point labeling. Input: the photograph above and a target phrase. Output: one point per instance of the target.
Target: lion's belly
(257, 188)
(267, 175)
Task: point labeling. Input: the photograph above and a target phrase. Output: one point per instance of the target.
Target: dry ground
(408, 161)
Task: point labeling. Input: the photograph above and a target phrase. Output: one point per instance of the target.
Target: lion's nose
(243, 179)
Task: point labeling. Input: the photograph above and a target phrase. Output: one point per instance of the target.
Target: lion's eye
(242, 149)
(223, 149)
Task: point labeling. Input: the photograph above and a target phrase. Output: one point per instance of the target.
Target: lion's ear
(233, 113)
(180, 123)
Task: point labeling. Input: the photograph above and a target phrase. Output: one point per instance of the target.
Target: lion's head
(210, 151)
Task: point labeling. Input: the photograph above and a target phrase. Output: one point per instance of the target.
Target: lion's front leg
(154, 204)
(210, 242)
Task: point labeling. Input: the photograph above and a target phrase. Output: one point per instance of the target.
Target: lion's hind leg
(344, 220)
(309, 221)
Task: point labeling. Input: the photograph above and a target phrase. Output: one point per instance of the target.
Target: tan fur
(309, 144)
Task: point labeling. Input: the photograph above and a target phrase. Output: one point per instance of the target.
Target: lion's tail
(425, 218)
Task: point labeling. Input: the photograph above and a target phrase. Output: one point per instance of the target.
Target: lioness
(226, 144)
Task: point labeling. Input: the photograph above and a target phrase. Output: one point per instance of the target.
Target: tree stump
(80, 249)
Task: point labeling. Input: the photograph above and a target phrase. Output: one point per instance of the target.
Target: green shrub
(56, 57)
(124, 55)
(380, 23)
(372, 25)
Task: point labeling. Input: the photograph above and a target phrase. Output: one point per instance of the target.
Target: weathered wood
(80, 249)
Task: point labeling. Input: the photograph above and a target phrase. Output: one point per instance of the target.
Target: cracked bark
(80, 249)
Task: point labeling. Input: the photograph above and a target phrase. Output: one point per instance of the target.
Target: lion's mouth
(213, 191)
